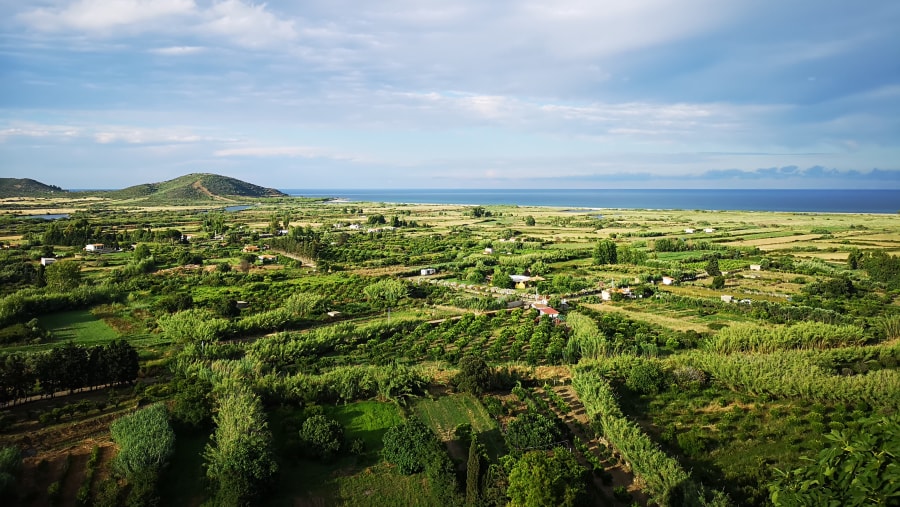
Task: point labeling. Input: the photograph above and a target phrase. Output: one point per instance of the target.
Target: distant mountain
(26, 187)
(194, 187)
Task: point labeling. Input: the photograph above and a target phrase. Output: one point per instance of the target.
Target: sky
(338, 94)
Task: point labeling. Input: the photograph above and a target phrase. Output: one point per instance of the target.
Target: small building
(689, 231)
(544, 309)
(98, 248)
(709, 230)
(266, 259)
(250, 248)
(668, 280)
(241, 304)
(427, 271)
(333, 314)
(726, 298)
(354, 227)
(488, 251)
(755, 267)
(46, 261)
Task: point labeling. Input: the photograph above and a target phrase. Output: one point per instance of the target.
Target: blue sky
(464, 94)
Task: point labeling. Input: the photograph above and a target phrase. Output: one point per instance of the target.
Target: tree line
(66, 367)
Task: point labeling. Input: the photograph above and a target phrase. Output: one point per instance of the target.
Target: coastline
(871, 201)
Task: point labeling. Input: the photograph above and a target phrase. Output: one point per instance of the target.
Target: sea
(806, 201)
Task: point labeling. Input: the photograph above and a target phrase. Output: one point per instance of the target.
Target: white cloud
(177, 50)
(282, 151)
(102, 15)
(249, 25)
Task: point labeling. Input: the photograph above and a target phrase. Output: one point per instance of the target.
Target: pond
(240, 207)
(53, 216)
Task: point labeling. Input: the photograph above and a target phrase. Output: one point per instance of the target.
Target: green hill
(26, 187)
(194, 187)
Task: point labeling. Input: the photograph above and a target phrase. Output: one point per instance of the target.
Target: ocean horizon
(805, 200)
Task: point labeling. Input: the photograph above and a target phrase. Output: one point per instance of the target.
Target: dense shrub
(323, 437)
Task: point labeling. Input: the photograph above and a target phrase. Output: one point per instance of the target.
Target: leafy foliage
(408, 445)
(145, 439)
(239, 461)
(856, 468)
(532, 431)
(541, 478)
(322, 436)
(474, 375)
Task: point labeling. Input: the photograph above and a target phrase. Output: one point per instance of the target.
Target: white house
(488, 251)
(354, 227)
(97, 248)
(668, 280)
(689, 231)
(709, 230)
(46, 261)
(755, 267)
(428, 271)
(726, 298)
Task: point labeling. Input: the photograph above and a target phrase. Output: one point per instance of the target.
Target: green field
(444, 414)
(358, 480)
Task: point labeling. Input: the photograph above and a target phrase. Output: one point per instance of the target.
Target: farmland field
(643, 384)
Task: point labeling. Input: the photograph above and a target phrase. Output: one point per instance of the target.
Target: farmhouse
(525, 281)
(250, 248)
(266, 259)
(98, 248)
(689, 231)
(726, 298)
(668, 280)
(488, 251)
(709, 230)
(46, 261)
(545, 310)
(755, 267)
(427, 271)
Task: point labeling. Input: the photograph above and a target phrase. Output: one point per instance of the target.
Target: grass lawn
(444, 414)
(80, 326)
(348, 479)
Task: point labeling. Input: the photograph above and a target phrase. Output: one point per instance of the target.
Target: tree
(239, 461)
(645, 377)
(856, 468)
(145, 440)
(854, 259)
(712, 267)
(541, 478)
(605, 252)
(141, 252)
(501, 278)
(718, 282)
(473, 472)
(10, 467)
(63, 275)
(305, 304)
(386, 293)
(529, 220)
(322, 436)
(474, 374)
(532, 431)
(408, 445)
(121, 361)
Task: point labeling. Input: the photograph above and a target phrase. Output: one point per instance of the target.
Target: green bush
(645, 377)
(323, 437)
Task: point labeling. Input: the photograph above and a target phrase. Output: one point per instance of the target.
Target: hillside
(193, 187)
(26, 187)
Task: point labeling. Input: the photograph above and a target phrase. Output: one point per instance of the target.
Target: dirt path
(205, 191)
(621, 475)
